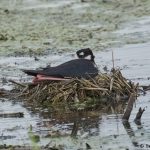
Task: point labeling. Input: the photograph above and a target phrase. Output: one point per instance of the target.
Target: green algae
(65, 27)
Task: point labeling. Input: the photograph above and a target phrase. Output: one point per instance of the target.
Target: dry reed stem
(104, 85)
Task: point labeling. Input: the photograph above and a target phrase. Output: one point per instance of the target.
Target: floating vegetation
(12, 115)
(3, 37)
(105, 91)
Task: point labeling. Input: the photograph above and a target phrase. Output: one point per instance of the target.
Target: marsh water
(100, 130)
(129, 43)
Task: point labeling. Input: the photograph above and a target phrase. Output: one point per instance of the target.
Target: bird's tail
(31, 72)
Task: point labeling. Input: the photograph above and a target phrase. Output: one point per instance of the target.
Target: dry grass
(104, 91)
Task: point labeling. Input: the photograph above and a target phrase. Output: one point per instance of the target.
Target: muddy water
(37, 27)
(101, 131)
(15, 130)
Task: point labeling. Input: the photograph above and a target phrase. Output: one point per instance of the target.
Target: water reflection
(74, 123)
(99, 131)
(131, 133)
(75, 130)
(13, 127)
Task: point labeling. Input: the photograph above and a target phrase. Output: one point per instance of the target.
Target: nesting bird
(76, 68)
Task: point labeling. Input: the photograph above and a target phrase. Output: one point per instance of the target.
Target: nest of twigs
(106, 90)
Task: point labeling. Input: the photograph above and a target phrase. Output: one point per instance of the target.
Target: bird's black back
(77, 68)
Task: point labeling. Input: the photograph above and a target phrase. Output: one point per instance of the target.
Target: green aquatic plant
(34, 139)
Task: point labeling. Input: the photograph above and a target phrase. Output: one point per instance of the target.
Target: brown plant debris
(105, 91)
(139, 114)
(129, 108)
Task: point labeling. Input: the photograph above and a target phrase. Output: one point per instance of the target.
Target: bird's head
(84, 53)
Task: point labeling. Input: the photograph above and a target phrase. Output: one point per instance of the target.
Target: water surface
(99, 130)
(38, 28)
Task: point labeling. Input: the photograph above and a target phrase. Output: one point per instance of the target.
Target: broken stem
(113, 59)
(129, 107)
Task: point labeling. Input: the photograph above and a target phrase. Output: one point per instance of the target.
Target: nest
(107, 90)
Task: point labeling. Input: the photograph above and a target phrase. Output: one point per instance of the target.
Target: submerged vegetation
(45, 27)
